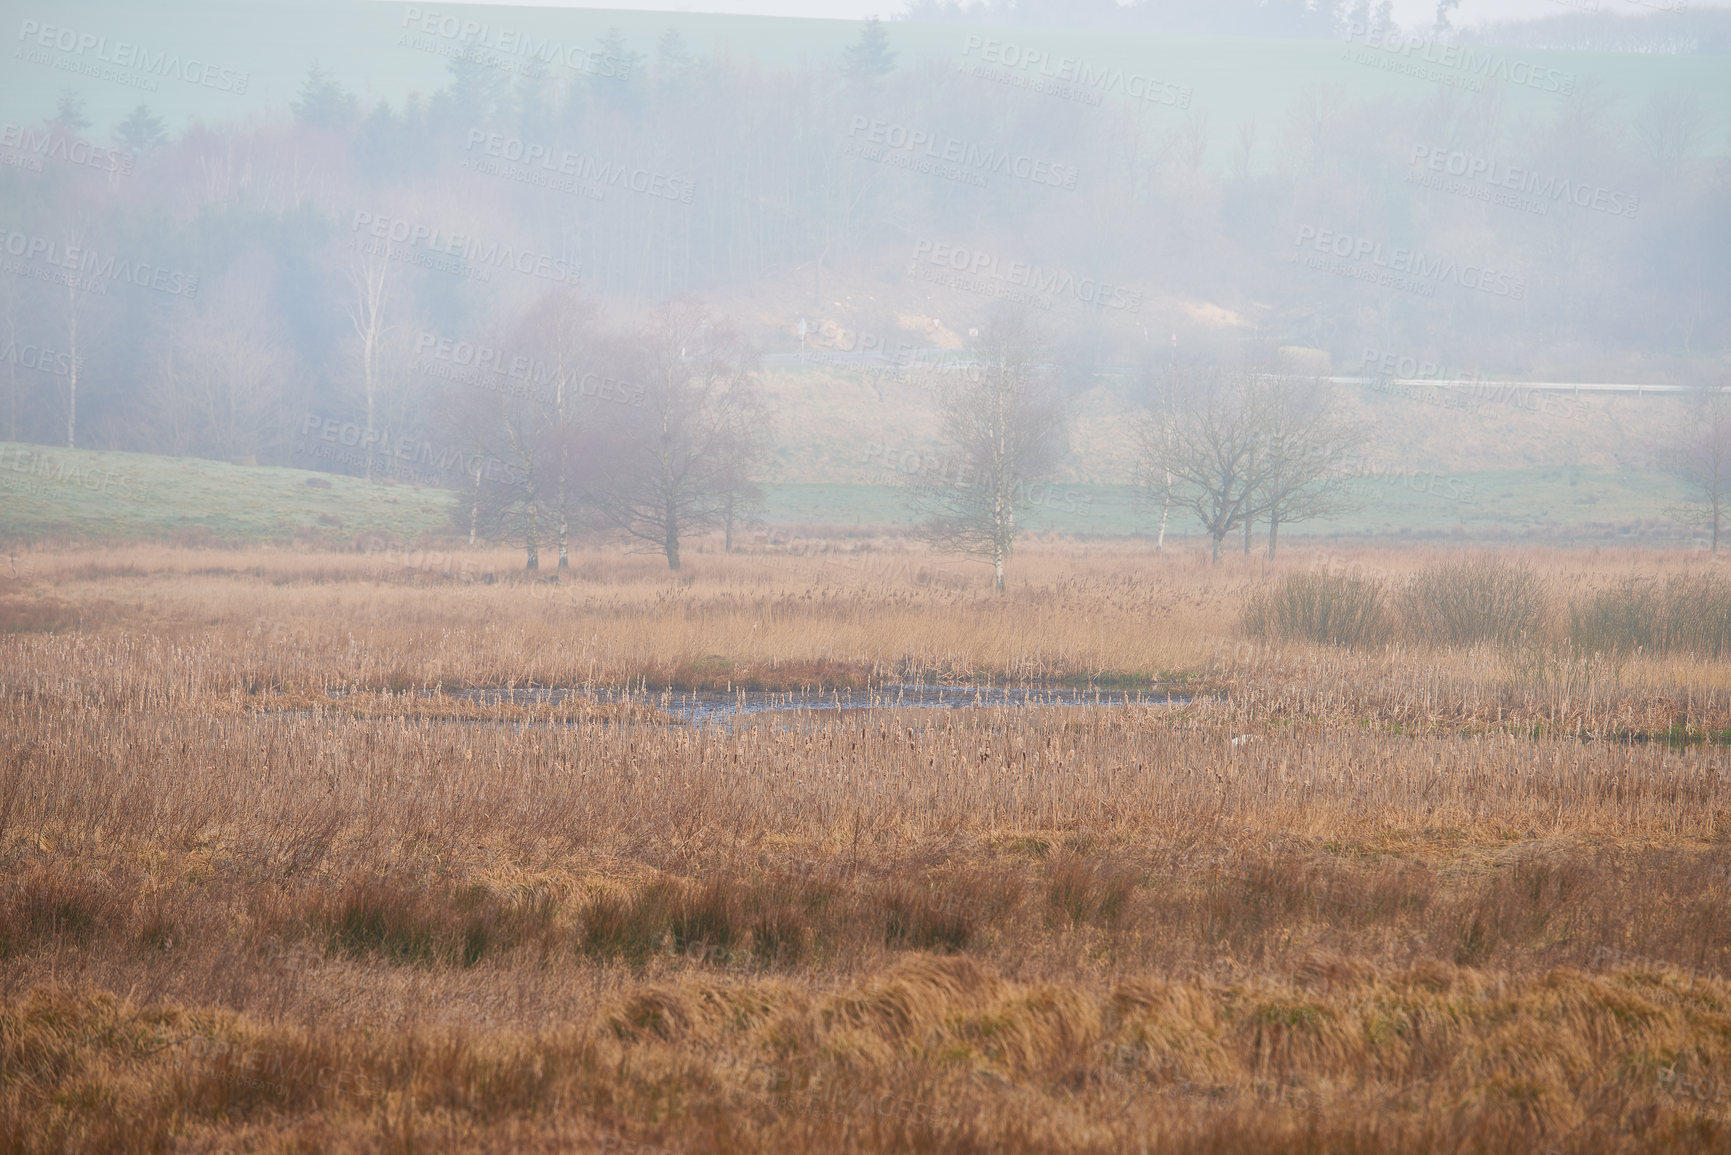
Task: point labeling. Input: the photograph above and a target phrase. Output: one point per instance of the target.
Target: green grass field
(49, 494)
(90, 495)
(1557, 504)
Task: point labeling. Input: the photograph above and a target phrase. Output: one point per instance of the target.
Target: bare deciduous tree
(563, 331)
(474, 420)
(1199, 450)
(1306, 442)
(737, 486)
(217, 392)
(672, 462)
(1234, 448)
(368, 275)
(1007, 429)
(1671, 128)
(507, 442)
(76, 297)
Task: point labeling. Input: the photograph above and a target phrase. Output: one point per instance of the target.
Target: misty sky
(1411, 12)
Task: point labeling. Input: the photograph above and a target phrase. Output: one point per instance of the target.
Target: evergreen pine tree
(142, 132)
(869, 58)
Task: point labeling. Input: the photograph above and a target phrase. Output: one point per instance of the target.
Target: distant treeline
(206, 293)
(1666, 26)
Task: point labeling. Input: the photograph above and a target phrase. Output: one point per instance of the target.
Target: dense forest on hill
(207, 290)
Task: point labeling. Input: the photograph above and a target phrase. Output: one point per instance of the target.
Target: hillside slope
(82, 494)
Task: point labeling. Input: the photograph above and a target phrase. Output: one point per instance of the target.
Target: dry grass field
(1454, 878)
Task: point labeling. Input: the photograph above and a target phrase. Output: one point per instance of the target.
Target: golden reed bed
(260, 895)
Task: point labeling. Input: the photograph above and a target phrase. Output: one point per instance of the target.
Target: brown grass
(263, 887)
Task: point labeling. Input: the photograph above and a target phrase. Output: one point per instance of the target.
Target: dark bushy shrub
(1464, 603)
(1688, 614)
(1322, 607)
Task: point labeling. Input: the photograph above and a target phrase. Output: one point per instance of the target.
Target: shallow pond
(699, 706)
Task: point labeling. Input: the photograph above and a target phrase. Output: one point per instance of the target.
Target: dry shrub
(158, 926)
(54, 903)
(1622, 619)
(781, 911)
(1686, 614)
(36, 615)
(917, 919)
(780, 936)
(1316, 606)
(705, 922)
(397, 921)
(948, 911)
(1089, 890)
(634, 924)
(707, 916)
(375, 916)
(788, 920)
(1487, 599)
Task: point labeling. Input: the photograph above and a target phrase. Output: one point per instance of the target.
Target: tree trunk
(998, 570)
(1273, 535)
(12, 370)
(1718, 505)
(370, 438)
(1165, 511)
(1218, 538)
(1247, 524)
(475, 504)
(71, 370)
(564, 502)
(670, 543)
(529, 538)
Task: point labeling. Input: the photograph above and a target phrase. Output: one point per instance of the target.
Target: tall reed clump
(1333, 609)
(1686, 614)
(1485, 599)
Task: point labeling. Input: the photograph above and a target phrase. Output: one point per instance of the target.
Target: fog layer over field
(492, 249)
